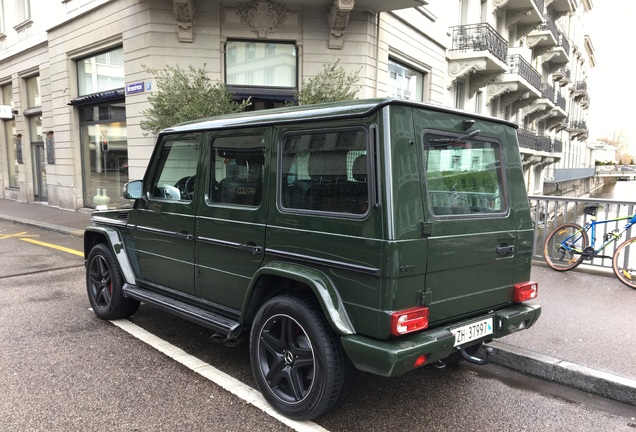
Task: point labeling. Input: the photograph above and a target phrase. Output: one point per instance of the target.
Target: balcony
(541, 108)
(478, 50)
(561, 7)
(525, 14)
(579, 90)
(557, 145)
(545, 36)
(560, 54)
(578, 129)
(561, 76)
(519, 86)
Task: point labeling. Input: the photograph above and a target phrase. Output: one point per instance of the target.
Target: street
(63, 369)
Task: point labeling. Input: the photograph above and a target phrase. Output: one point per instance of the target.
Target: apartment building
(74, 74)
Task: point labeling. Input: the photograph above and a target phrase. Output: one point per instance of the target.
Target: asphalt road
(63, 369)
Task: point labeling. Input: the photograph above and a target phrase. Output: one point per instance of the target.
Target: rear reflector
(409, 320)
(525, 291)
(420, 361)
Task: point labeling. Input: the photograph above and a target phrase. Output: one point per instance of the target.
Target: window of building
(33, 92)
(264, 71)
(405, 82)
(101, 72)
(23, 10)
(2, 24)
(325, 172)
(12, 159)
(459, 95)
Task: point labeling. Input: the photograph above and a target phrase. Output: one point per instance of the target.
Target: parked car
(380, 235)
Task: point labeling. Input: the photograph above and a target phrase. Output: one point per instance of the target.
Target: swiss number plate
(472, 331)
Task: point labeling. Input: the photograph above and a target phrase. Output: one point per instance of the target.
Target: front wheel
(103, 284)
(297, 360)
(624, 262)
(563, 247)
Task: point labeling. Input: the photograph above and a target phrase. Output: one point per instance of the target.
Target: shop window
(11, 139)
(405, 82)
(101, 72)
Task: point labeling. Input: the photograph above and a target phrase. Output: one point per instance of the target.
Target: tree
(186, 95)
(333, 84)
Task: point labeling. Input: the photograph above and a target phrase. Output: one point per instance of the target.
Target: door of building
(38, 163)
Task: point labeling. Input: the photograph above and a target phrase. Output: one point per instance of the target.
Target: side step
(220, 324)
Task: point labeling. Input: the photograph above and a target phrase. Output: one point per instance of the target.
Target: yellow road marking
(20, 234)
(52, 246)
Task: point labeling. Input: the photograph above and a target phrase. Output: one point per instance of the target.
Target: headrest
(359, 168)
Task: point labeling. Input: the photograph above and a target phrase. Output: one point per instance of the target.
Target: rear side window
(463, 176)
(325, 172)
(237, 163)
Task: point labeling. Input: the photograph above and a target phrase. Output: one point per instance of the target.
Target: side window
(238, 170)
(174, 178)
(325, 172)
(463, 177)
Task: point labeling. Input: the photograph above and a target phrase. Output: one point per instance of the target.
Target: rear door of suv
(472, 239)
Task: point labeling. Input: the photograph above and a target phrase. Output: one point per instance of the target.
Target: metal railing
(479, 37)
(548, 212)
(517, 64)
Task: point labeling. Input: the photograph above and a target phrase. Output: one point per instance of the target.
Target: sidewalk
(585, 337)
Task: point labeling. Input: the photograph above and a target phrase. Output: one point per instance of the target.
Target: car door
(230, 242)
(471, 235)
(165, 217)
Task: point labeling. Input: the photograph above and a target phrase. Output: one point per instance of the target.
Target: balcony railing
(549, 24)
(547, 92)
(560, 101)
(578, 125)
(527, 139)
(519, 65)
(557, 145)
(531, 140)
(580, 86)
(544, 143)
(563, 42)
(479, 37)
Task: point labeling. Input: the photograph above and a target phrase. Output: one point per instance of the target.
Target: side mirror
(133, 190)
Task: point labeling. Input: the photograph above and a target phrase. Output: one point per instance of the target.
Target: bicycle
(568, 245)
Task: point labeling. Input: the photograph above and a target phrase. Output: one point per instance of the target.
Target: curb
(50, 227)
(569, 374)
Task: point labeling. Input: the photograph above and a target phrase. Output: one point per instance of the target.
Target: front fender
(319, 283)
(98, 234)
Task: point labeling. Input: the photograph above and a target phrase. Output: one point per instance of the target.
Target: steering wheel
(186, 187)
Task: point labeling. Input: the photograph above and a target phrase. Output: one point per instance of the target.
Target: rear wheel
(560, 257)
(297, 360)
(103, 284)
(624, 262)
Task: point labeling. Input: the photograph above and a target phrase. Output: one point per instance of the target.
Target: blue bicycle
(568, 245)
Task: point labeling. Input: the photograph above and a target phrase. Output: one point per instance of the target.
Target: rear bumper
(396, 356)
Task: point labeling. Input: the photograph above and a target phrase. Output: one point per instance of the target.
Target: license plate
(472, 331)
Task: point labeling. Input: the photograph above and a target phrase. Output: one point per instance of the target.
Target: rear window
(463, 175)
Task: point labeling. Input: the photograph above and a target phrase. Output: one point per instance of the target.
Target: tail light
(525, 291)
(409, 320)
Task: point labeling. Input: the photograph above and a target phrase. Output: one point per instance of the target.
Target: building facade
(74, 74)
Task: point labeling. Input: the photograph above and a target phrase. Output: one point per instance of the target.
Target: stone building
(74, 79)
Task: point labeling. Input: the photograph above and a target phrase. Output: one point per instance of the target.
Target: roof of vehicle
(295, 114)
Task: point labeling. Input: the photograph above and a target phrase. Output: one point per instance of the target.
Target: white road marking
(234, 386)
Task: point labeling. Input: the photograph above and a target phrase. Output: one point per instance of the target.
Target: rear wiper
(463, 138)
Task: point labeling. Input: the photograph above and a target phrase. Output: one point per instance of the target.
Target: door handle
(505, 250)
(185, 235)
(251, 248)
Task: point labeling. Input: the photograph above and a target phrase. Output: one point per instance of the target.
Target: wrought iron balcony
(562, 75)
(562, 7)
(526, 14)
(560, 101)
(544, 143)
(578, 125)
(479, 37)
(547, 92)
(544, 36)
(527, 139)
(557, 145)
(518, 65)
(579, 90)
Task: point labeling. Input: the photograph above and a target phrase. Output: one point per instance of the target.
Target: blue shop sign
(137, 87)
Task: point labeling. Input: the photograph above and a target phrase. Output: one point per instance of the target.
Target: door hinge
(425, 228)
(426, 297)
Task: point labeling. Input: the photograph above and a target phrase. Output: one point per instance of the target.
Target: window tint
(463, 177)
(325, 171)
(175, 176)
(238, 170)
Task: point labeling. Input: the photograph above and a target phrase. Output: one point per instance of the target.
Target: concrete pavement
(585, 338)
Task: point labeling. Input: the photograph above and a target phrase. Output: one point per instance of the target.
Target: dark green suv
(380, 235)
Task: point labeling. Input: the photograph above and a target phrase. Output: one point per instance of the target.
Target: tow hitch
(476, 360)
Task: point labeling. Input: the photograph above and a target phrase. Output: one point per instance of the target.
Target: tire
(297, 360)
(624, 262)
(104, 283)
(556, 256)
(454, 359)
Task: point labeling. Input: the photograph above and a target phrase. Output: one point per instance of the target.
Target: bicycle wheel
(624, 262)
(557, 255)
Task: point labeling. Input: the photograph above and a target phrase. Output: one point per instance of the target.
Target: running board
(220, 324)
